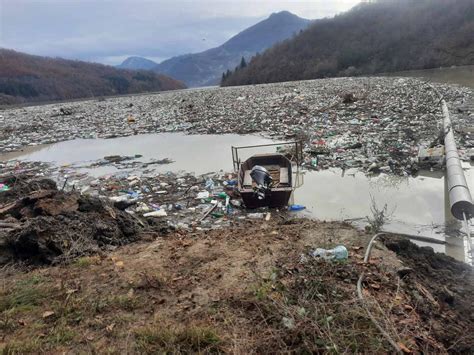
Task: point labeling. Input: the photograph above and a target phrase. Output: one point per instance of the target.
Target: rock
(48, 314)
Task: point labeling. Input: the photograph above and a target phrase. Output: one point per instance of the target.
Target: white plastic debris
(202, 195)
(255, 215)
(159, 213)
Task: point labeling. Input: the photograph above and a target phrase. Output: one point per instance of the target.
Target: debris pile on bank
(163, 200)
(186, 201)
(117, 205)
(376, 124)
(41, 224)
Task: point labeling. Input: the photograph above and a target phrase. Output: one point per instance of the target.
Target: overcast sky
(108, 31)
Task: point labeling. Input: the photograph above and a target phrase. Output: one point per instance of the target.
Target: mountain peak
(137, 63)
(206, 68)
(282, 14)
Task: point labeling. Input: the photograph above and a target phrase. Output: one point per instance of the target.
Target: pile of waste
(183, 199)
(374, 124)
(40, 224)
(160, 201)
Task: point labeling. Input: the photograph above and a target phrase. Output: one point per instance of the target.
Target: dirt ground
(244, 289)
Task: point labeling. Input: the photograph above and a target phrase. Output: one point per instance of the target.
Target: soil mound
(41, 225)
(21, 185)
(445, 295)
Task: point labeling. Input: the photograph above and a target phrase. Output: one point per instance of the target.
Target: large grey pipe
(459, 196)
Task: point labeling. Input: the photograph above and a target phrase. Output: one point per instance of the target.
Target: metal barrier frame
(298, 149)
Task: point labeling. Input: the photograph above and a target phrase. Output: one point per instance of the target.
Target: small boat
(265, 180)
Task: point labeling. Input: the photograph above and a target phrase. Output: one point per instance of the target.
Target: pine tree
(243, 63)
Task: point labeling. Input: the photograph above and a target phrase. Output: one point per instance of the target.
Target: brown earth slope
(245, 289)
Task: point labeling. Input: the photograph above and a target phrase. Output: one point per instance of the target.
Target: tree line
(25, 78)
(228, 73)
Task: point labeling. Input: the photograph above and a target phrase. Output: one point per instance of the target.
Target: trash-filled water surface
(415, 205)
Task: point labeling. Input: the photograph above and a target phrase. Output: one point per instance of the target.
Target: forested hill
(27, 78)
(373, 37)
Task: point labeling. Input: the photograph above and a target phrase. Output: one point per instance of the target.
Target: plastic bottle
(210, 184)
(338, 253)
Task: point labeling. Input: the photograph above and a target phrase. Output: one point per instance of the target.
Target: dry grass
(314, 311)
(171, 339)
(24, 295)
(240, 291)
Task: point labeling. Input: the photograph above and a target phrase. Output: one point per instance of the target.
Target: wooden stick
(208, 212)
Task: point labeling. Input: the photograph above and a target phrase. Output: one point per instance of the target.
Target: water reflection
(192, 153)
(22, 152)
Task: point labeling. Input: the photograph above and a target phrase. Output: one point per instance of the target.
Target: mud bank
(446, 293)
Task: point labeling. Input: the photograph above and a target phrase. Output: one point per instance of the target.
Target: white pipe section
(459, 195)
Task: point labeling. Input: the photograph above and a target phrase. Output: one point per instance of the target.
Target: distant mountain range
(373, 37)
(26, 78)
(206, 68)
(137, 63)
